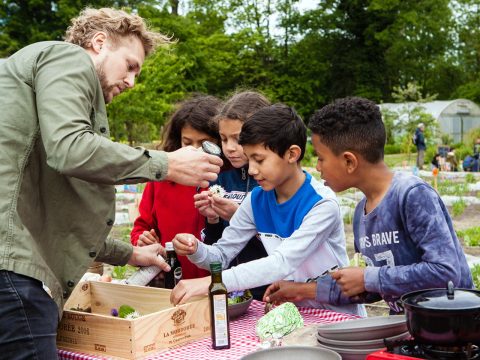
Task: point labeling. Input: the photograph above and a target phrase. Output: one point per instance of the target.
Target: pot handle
(450, 290)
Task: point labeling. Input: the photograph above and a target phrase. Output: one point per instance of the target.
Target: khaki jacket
(58, 167)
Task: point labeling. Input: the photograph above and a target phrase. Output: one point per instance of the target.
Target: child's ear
(351, 161)
(293, 153)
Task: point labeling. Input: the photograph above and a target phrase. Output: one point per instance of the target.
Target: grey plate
(350, 354)
(365, 329)
(360, 344)
(235, 310)
(293, 352)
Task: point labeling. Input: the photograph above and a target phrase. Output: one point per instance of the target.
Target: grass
(458, 207)
(470, 236)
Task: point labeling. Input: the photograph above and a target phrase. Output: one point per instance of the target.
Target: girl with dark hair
(236, 182)
(168, 208)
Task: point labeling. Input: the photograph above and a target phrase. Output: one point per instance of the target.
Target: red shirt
(168, 208)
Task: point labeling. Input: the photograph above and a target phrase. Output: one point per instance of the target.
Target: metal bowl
(238, 309)
(293, 352)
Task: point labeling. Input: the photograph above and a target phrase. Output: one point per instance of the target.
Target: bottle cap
(169, 246)
(215, 267)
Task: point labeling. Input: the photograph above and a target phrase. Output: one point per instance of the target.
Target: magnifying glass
(212, 149)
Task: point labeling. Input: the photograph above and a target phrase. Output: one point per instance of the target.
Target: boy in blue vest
(401, 226)
(297, 218)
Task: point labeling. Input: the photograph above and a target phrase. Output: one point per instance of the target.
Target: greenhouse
(455, 117)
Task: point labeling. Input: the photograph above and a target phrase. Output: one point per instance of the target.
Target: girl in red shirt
(167, 208)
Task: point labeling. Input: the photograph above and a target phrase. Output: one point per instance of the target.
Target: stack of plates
(355, 339)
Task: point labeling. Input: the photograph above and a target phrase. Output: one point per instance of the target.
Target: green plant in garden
(470, 236)
(470, 179)
(458, 207)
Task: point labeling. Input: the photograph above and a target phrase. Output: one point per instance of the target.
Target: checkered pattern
(242, 337)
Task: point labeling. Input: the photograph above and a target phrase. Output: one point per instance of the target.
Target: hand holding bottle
(149, 255)
(185, 244)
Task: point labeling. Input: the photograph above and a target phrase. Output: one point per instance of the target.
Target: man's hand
(283, 291)
(189, 166)
(185, 244)
(351, 280)
(225, 208)
(186, 289)
(148, 238)
(149, 255)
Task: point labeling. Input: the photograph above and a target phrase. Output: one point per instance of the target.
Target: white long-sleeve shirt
(302, 236)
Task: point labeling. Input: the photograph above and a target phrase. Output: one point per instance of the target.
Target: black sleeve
(212, 232)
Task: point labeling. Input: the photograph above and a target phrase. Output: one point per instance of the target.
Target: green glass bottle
(219, 324)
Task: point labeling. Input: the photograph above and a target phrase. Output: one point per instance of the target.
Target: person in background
(58, 168)
(236, 181)
(296, 217)
(436, 161)
(167, 208)
(401, 227)
(476, 155)
(420, 144)
(476, 147)
(451, 160)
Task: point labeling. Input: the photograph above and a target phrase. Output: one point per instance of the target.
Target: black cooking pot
(447, 317)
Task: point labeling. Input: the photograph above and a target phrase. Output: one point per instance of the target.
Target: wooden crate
(161, 326)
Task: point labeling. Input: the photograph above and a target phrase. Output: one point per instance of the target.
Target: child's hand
(186, 289)
(203, 204)
(148, 238)
(283, 291)
(351, 280)
(225, 208)
(185, 244)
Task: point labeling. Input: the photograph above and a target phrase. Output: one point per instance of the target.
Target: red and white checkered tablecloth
(242, 336)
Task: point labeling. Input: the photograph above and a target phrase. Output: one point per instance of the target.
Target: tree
(28, 21)
(410, 115)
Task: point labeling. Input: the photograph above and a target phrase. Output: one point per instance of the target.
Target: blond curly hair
(118, 24)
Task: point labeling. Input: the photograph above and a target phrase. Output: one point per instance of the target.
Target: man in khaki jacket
(58, 169)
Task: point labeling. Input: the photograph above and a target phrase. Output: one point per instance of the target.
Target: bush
(393, 149)
(470, 236)
(309, 159)
(461, 151)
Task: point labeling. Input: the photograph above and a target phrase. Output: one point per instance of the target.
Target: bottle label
(220, 319)
(177, 274)
(143, 276)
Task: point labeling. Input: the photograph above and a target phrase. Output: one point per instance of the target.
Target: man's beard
(106, 88)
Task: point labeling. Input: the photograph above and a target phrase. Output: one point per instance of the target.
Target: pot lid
(445, 299)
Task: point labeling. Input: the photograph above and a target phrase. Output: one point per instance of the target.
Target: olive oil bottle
(219, 324)
(175, 274)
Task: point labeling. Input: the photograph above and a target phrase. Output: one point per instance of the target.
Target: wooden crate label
(74, 317)
(67, 339)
